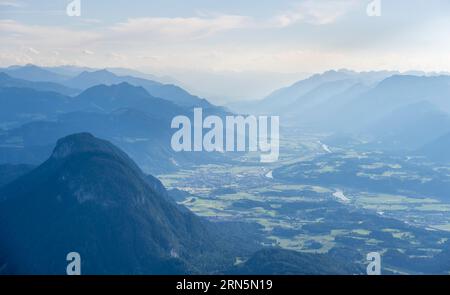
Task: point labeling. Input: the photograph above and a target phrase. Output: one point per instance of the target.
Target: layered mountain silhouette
(91, 198)
(71, 80)
(284, 99)
(390, 94)
(386, 110)
(166, 91)
(32, 72)
(117, 96)
(382, 93)
(8, 81)
(35, 114)
(125, 114)
(147, 140)
(22, 103)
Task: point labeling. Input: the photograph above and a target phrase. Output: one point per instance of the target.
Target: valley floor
(303, 214)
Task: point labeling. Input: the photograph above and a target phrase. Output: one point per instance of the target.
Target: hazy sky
(228, 36)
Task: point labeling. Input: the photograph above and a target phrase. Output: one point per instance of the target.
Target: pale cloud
(159, 30)
(14, 32)
(33, 50)
(180, 27)
(69, 42)
(231, 42)
(315, 12)
(88, 52)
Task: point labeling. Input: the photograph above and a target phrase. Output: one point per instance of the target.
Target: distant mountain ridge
(124, 114)
(8, 81)
(381, 87)
(390, 94)
(388, 110)
(83, 78)
(124, 95)
(34, 73)
(35, 114)
(285, 97)
(166, 91)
